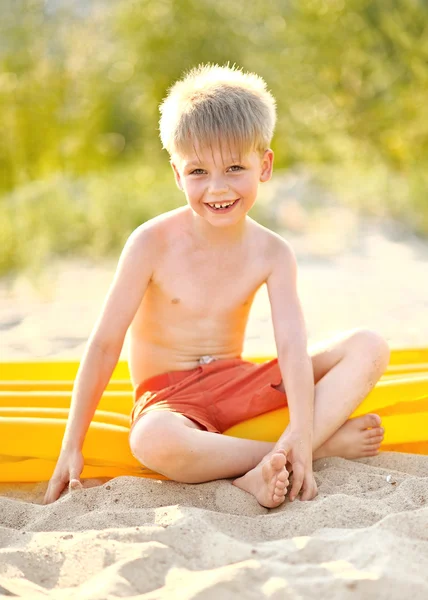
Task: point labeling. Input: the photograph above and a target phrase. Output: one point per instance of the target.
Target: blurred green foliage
(80, 83)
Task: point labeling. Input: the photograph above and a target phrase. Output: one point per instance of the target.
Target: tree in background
(80, 86)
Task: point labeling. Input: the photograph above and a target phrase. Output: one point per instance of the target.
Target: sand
(366, 534)
(362, 537)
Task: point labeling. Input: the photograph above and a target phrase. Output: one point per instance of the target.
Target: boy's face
(211, 180)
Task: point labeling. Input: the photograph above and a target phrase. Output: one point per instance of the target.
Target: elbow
(295, 357)
(107, 346)
(293, 351)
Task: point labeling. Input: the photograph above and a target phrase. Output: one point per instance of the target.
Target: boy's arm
(105, 343)
(295, 366)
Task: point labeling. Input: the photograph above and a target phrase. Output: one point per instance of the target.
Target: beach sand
(364, 537)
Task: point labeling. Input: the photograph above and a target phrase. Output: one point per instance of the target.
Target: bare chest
(216, 284)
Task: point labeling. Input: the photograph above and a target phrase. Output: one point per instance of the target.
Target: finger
(314, 493)
(54, 490)
(309, 487)
(46, 497)
(75, 484)
(306, 493)
(49, 496)
(75, 478)
(298, 476)
(315, 490)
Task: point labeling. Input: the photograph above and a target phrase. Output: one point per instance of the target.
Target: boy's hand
(68, 470)
(298, 447)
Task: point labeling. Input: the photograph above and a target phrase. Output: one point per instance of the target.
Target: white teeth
(224, 205)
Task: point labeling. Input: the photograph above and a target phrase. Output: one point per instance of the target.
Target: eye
(197, 172)
(236, 168)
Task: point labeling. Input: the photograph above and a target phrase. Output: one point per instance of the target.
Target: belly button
(175, 300)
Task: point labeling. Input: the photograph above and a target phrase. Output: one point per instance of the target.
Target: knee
(374, 347)
(155, 442)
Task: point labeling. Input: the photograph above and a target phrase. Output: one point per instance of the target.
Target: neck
(205, 233)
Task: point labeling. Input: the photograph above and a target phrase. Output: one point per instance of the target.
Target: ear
(267, 165)
(176, 176)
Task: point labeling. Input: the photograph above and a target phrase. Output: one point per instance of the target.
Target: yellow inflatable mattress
(35, 400)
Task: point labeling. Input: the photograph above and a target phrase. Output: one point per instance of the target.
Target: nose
(218, 186)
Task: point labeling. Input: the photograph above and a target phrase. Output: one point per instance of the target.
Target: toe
(280, 493)
(277, 463)
(370, 420)
(281, 485)
(373, 452)
(373, 442)
(371, 447)
(278, 499)
(278, 460)
(283, 475)
(372, 434)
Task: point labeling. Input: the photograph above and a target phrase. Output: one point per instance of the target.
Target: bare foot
(357, 438)
(268, 481)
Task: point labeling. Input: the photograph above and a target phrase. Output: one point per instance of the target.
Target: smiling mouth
(221, 206)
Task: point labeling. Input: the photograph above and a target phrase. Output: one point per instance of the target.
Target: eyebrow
(233, 159)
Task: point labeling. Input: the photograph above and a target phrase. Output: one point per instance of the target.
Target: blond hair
(214, 104)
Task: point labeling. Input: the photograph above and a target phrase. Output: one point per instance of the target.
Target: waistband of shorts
(164, 380)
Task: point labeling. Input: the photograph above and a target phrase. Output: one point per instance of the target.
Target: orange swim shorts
(216, 395)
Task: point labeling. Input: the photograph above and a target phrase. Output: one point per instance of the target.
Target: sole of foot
(268, 481)
(357, 438)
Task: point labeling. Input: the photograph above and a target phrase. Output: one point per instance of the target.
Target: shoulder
(154, 234)
(275, 249)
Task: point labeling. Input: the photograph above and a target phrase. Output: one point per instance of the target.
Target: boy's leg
(168, 441)
(345, 371)
(344, 374)
(174, 446)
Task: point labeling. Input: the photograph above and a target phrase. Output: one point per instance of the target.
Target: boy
(184, 287)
